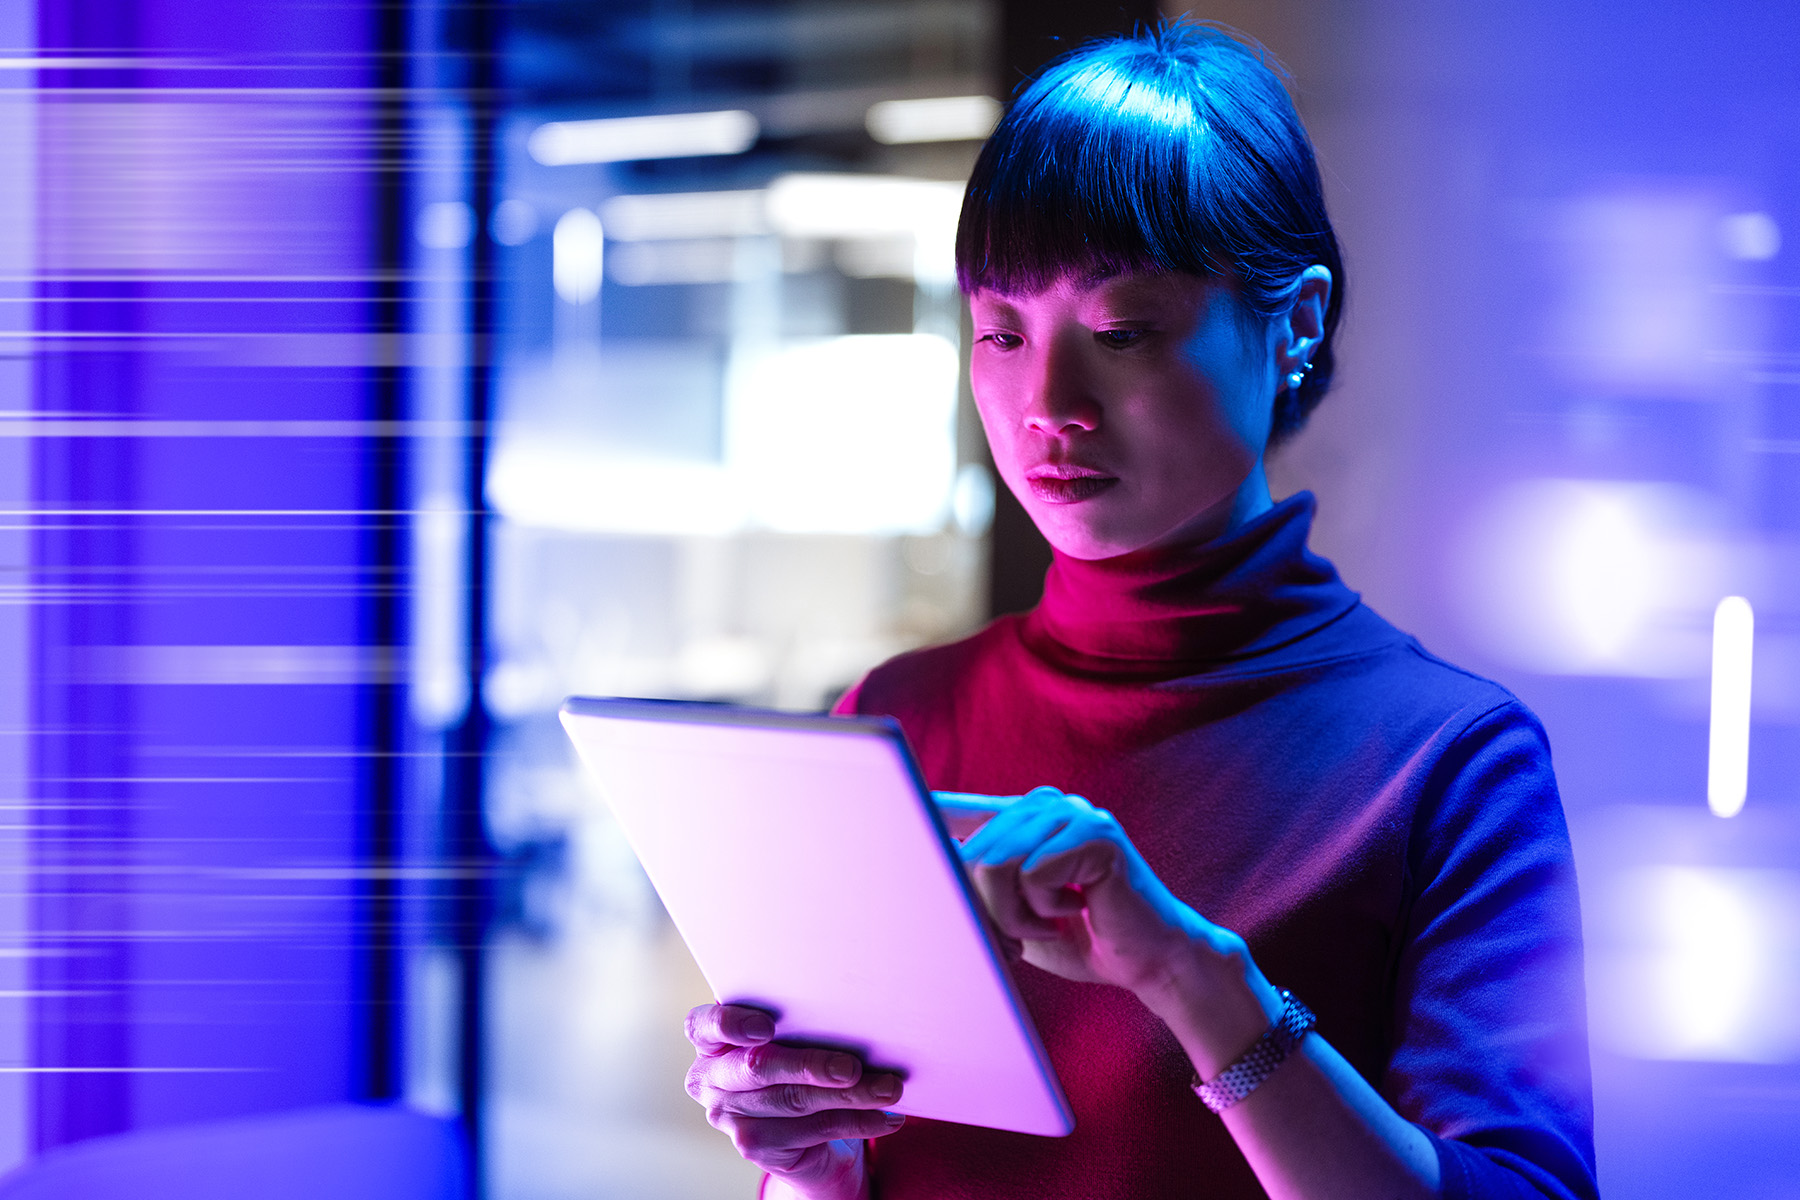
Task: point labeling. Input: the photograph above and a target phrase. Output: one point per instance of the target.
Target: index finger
(966, 812)
(717, 1028)
(1018, 831)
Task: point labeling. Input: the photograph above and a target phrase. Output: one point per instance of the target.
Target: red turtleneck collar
(1168, 612)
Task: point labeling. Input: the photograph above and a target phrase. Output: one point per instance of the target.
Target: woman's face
(1126, 411)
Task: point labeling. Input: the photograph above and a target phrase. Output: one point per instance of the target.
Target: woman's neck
(1250, 501)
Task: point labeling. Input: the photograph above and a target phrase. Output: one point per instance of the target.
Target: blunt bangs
(1174, 150)
(1084, 180)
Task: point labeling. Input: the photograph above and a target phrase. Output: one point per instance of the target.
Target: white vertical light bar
(1728, 756)
(577, 246)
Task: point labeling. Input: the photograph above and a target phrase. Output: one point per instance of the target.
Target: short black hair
(1176, 149)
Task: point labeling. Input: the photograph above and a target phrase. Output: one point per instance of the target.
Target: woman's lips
(1068, 487)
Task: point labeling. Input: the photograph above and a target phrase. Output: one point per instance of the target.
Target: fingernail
(759, 1027)
(841, 1068)
(886, 1090)
(894, 1120)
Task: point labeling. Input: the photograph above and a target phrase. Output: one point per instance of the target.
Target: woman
(1294, 790)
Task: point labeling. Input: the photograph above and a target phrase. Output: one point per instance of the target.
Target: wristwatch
(1259, 1061)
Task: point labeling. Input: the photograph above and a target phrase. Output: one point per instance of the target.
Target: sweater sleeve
(1490, 1027)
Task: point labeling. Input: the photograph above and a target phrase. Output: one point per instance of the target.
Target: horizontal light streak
(159, 335)
(191, 871)
(224, 512)
(190, 779)
(1728, 751)
(156, 91)
(58, 301)
(286, 752)
(913, 222)
(237, 349)
(95, 64)
(103, 428)
(934, 119)
(431, 872)
(121, 1071)
(208, 665)
(217, 277)
(630, 139)
(833, 205)
(35, 993)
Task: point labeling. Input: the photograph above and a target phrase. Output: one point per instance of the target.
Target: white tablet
(804, 864)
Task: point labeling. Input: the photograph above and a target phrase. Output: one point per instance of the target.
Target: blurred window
(732, 460)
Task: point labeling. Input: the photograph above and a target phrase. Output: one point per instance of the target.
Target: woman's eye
(1002, 340)
(1120, 339)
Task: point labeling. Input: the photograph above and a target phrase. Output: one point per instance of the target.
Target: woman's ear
(1299, 331)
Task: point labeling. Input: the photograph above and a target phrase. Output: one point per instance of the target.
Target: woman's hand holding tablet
(798, 1113)
(801, 1113)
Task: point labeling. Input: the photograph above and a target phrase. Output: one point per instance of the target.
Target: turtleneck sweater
(1381, 827)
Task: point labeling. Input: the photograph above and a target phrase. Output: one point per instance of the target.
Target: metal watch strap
(1259, 1061)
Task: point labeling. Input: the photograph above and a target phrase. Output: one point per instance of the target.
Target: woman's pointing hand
(1072, 896)
(1066, 885)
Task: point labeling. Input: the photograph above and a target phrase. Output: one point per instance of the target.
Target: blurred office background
(372, 376)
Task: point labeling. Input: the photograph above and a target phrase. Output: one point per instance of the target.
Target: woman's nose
(1061, 399)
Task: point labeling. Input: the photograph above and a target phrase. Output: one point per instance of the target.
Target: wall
(1565, 432)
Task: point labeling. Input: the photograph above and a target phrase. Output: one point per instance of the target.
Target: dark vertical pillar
(478, 37)
(81, 1010)
(380, 919)
(1032, 32)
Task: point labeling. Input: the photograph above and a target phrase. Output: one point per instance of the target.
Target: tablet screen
(802, 862)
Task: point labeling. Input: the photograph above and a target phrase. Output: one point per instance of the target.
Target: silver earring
(1295, 379)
